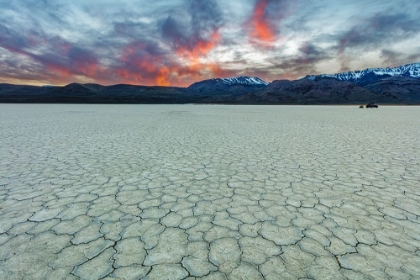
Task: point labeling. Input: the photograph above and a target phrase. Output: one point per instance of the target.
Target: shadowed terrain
(319, 90)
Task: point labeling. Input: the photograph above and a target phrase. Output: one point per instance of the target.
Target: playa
(209, 191)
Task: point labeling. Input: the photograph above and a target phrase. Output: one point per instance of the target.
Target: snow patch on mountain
(243, 80)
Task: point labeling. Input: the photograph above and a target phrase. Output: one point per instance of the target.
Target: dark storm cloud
(372, 32)
(56, 55)
(301, 64)
(196, 30)
(206, 16)
(172, 30)
(308, 49)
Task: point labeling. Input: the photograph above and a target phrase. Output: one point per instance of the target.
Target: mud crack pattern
(211, 192)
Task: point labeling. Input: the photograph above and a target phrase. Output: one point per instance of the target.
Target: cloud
(143, 62)
(187, 38)
(371, 33)
(395, 58)
(57, 57)
(178, 42)
(262, 27)
(302, 63)
(195, 33)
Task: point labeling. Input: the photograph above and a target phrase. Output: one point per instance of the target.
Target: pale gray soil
(191, 191)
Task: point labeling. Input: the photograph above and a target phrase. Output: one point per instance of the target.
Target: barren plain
(209, 191)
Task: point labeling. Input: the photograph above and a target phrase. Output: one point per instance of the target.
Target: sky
(179, 42)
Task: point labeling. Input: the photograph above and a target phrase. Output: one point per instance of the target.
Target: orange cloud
(192, 67)
(200, 47)
(142, 64)
(260, 26)
(162, 78)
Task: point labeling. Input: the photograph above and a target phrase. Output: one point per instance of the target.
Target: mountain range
(371, 75)
(398, 85)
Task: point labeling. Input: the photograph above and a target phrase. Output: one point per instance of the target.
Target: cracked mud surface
(211, 192)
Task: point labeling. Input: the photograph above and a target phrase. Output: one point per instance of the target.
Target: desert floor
(191, 191)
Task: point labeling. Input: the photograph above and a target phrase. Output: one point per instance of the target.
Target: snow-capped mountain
(366, 75)
(235, 85)
(243, 80)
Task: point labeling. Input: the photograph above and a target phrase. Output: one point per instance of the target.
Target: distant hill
(93, 93)
(398, 85)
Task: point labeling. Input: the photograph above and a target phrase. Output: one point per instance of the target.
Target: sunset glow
(176, 43)
(261, 28)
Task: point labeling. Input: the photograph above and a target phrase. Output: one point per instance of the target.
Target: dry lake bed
(209, 191)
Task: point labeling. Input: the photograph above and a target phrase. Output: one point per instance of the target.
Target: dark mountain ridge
(399, 85)
(305, 91)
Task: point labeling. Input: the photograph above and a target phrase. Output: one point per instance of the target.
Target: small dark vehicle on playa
(371, 105)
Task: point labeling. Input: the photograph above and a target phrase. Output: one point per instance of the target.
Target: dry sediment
(212, 192)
